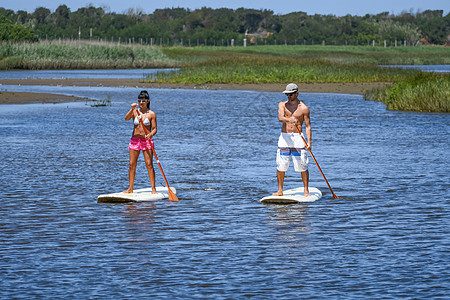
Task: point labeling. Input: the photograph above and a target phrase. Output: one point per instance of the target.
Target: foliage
(209, 26)
(15, 32)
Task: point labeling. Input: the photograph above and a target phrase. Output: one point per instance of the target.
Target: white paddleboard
(140, 195)
(293, 196)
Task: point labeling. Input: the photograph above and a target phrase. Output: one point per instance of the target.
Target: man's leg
(280, 179)
(305, 178)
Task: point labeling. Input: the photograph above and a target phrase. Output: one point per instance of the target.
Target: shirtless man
(290, 143)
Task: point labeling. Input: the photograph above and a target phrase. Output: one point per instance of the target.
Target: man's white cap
(291, 88)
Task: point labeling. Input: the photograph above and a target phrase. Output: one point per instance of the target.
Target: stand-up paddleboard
(140, 195)
(293, 196)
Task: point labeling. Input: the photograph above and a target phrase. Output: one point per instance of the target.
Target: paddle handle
(172, 195)
(312, 155)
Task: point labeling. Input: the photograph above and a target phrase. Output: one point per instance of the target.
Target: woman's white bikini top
(136, 121)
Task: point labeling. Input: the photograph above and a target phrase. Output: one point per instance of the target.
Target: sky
(323, 7)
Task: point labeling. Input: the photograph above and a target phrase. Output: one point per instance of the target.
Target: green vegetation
(274, 64)
(254, 69)
(423, 92)
(104, 102)
(15, 32)
(207, 26)
(80, 55)
(338, 54)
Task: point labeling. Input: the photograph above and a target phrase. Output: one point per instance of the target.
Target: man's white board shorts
(291, 145)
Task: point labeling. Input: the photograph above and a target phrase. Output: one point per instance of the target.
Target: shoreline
(10, 97)
(32, 98)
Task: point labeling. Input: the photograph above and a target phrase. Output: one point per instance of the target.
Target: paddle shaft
(312, 155)
(172, 195)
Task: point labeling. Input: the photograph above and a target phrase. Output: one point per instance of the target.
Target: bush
(10, 32)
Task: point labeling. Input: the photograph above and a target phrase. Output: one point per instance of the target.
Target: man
(291, 113)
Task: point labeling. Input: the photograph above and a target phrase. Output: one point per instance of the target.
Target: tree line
(219, 26)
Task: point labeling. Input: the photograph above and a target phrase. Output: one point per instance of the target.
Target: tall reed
(424, 92)
(81, 55)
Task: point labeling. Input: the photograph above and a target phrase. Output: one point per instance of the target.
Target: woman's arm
(130, 113)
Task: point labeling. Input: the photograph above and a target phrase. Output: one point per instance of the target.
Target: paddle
(334, 195)
(172, 196)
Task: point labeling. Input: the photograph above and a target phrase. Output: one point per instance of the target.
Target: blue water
(387, 236)
(425, 68)
(81, 74)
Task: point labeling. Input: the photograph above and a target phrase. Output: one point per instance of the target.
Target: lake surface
(387, 236)
(425, 68)
(81, 74)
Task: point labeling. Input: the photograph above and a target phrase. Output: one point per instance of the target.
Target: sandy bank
(26, 98)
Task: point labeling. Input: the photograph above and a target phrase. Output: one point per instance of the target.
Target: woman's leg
(134, 155)
(148, 156)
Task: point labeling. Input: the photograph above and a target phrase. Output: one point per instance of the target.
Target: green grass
(279, 64)
(424, 92)
(432, 55)
(266, 69)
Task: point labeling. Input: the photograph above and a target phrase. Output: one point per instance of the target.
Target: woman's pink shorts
(140, 144)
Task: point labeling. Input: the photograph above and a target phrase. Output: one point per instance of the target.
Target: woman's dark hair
(144, 95)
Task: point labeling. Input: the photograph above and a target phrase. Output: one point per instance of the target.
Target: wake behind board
(293, 196)
(141, 195)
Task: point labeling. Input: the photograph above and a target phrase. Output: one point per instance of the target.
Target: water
(424, 68)
(81, 74)
(387, 236)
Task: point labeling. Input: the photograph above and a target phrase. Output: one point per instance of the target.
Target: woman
(141, 141)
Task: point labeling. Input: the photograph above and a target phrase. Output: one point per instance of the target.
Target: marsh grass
(274, 64)
(432, 55)
(103, 102)
(412, 90)
(424, 92)
(81, 55)
(268, 69)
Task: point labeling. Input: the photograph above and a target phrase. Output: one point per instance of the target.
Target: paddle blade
(172, 196)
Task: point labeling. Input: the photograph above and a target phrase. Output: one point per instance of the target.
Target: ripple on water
(386, 236)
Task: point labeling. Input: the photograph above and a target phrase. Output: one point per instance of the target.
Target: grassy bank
(423, 92)
(429, 55)
(265, 69)
(279, 64)
(80, 55)
(319, 64)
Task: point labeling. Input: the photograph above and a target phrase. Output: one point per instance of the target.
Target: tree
(41, 14)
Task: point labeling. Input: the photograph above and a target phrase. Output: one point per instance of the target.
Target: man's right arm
(281, 114)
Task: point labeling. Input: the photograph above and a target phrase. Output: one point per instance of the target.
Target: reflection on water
(386, 236)
(291, 220)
